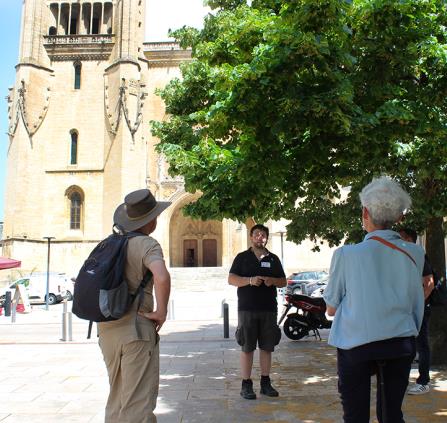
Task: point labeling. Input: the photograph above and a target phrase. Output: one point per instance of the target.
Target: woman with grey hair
(375, 292)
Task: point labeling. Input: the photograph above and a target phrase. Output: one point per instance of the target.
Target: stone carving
(163, 173)
(81, 46)
(169, 191)
(137, 96)
(18, 108)
(199, 229)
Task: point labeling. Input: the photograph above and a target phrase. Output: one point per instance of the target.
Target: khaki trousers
(133, 370)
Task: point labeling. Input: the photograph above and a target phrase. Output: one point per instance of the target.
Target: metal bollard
(7, 304)
(171, 315)
(224, 301)
(67, 327)
(226, 321)
(13, 310)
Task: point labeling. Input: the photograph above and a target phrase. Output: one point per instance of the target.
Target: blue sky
(161, 15)
(9, 32)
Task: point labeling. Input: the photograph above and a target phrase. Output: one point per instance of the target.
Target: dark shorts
(257, 327)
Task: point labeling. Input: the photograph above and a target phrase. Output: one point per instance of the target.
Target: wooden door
(209, 252)
(190, 253)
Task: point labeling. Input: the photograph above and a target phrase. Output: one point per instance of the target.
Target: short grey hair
(385, 200)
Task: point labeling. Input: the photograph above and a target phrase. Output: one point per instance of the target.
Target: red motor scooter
(310, 315)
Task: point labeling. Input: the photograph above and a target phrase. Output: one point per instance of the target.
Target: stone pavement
(46, 380)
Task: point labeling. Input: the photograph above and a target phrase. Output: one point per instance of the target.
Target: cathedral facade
(80, 140)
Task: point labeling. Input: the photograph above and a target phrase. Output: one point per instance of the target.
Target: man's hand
(257, 280)
(278, 282)
(428, 283)
(157, 317)
(268, 281)
(330, 310)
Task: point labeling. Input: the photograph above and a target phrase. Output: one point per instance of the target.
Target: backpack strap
(89, 332)
(140, 293)
(394, 247)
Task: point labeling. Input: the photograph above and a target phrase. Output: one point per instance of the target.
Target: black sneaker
(247, 389)
(267, 388)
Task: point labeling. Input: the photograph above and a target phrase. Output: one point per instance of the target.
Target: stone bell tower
(79, 137)
(125, 108)
(78, 125)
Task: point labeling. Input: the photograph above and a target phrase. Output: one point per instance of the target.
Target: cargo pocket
(277, 335)
(239, 335)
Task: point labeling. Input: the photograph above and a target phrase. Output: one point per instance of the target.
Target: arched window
(52, 30)
(74, 148)
(77, 78)
(75, 210)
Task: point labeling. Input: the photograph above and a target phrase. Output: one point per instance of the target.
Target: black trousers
(423, 349)
(357, 365)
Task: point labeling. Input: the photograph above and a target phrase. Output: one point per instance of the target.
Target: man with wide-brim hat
(139, 208)
(131, 355)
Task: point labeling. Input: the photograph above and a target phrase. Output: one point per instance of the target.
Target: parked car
(304, 282)
(36, 287)
(320, 287)
(70, 288)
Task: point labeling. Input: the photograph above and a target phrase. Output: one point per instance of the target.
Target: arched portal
(194, 243)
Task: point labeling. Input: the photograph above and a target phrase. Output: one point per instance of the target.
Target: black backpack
(100, 292)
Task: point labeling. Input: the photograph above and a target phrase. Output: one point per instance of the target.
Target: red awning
(6, 263)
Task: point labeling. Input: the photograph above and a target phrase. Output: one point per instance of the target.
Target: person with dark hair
(376, 295)
(422, 345)
(408, 234)
(257, 273)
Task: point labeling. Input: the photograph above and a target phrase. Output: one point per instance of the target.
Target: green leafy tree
(401, 47)
(287, 101)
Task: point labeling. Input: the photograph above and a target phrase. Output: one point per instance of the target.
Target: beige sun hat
(138, 209)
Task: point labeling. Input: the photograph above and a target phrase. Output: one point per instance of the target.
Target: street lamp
(48, 238)
(281, 233)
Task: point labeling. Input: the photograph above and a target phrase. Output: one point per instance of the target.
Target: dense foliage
(287, 101)
(292, 99)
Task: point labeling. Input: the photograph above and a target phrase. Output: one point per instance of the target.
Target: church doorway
(209, 252)
(194, 243)
(190, 250)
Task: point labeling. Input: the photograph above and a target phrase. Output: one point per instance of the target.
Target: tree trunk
(249, 223)
(435, 248)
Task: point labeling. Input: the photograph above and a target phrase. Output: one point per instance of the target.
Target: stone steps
(199, 278)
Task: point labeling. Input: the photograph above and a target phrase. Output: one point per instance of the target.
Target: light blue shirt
(376, 290)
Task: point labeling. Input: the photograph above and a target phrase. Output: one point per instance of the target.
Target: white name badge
(265, 264)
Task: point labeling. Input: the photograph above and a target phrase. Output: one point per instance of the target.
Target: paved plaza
(44, 379)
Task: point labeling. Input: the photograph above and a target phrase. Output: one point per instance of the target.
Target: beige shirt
(141, 252)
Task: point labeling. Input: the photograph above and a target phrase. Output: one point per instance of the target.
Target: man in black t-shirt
(422, 345)
(257, 273)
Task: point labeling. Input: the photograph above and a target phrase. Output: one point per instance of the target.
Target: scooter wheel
(295, 328)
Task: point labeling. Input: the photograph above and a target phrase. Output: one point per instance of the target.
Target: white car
(304, 283)
(320, 286)
(36, 287)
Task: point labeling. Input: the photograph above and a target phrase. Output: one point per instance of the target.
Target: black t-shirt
(257, 298)
(428, 270)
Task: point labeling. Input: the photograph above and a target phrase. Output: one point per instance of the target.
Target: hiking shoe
(267, 388)
(418, 389)
(247, 389)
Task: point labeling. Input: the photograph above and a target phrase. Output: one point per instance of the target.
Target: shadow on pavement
(199, 378)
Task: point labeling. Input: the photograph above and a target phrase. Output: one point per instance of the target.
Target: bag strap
(394, 247)
(89, 332)
(140, 292)
(147, 277)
